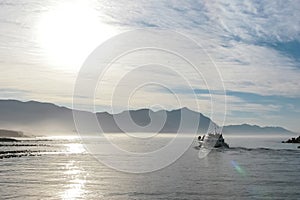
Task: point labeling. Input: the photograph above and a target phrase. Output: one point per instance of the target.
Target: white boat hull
(213, 141)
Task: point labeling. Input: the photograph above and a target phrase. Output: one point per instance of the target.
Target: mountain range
(47, 118)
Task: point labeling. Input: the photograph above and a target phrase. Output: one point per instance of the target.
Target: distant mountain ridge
(247, 128)
(37, 117)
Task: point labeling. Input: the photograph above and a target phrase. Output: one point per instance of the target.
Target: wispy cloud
(254, 44)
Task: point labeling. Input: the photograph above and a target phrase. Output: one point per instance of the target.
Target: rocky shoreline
(293, 140)
(8, 140)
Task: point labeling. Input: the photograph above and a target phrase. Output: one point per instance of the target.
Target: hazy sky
(255, 44)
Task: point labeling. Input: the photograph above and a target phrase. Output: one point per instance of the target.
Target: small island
(293, 140)
(9, 135)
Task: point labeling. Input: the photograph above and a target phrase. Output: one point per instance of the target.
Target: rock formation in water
(293, 140)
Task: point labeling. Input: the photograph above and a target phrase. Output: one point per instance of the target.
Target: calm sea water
(60, 168)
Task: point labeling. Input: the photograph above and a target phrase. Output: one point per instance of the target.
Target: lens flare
(238, 168)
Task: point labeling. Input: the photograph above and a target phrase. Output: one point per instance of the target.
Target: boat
(212, 140)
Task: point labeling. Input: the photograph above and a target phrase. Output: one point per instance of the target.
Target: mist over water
(60, 168)
(147, 69)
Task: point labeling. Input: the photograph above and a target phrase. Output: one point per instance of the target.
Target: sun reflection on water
(75, 148)
(76, 189)
(76, 179)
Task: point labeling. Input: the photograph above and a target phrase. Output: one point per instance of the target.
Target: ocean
(257, 167)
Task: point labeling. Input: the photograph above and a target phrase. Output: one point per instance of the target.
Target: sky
(254, 45)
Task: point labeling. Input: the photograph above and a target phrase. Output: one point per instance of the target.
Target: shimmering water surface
(60, 168)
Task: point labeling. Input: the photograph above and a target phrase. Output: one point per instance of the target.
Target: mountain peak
(41, 116)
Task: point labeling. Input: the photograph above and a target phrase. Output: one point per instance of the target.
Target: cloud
(240, 20)
(257, 20)
(249, 40)
(290, 49)
(258, 69)
(13, 93)
(254, 44)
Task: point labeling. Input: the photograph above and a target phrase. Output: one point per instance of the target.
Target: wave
(245, 149)
(261, 149)
(23, 145)
(18, 153)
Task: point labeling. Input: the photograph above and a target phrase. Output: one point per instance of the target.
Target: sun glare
(69, 32)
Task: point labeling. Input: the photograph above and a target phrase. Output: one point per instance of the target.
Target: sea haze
(61, 168)
(103, 99)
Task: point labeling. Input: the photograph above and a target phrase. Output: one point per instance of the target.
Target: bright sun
(69, 32)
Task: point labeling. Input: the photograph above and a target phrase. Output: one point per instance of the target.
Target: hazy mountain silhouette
(47, 118)
(247, 128)
(34, 116)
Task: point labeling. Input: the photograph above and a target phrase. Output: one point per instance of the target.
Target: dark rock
(8, 140)
(293, 140)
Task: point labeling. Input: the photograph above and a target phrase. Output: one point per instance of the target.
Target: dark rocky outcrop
(8, 140)
(293, 140)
